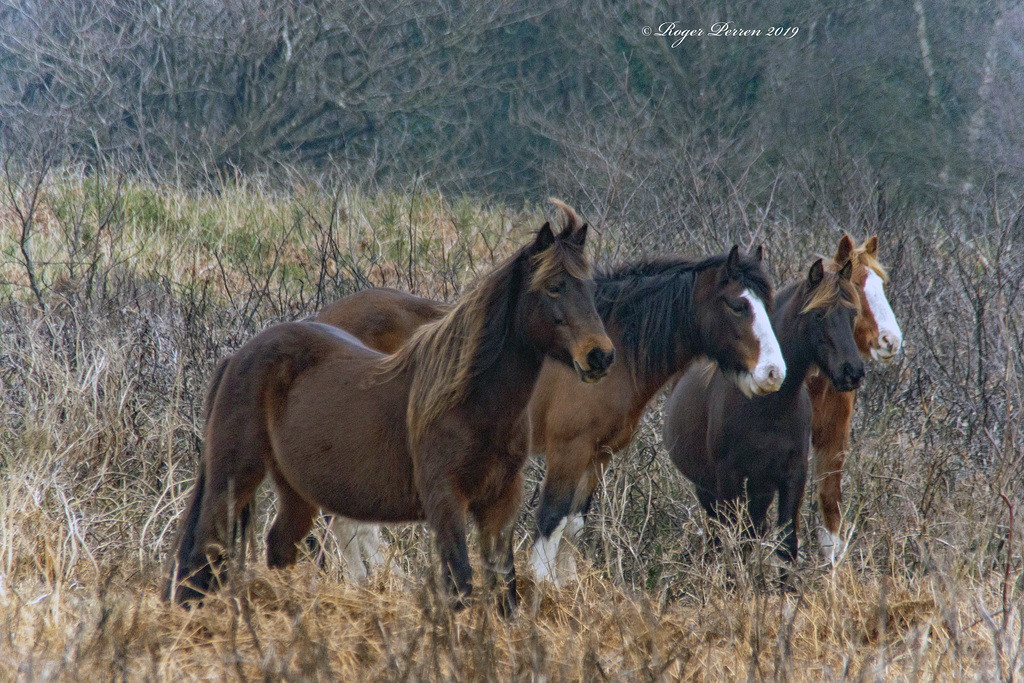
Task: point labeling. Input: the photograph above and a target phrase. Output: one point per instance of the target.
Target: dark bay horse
(730, 445)
(660, 314)
(433, 432)
(878, 337)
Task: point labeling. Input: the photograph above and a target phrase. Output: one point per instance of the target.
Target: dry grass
(99, 414)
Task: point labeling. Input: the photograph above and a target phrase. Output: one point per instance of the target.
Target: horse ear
(816, 274)
(845, 249)
(545, 238)
(871, 246)
(759, 253)
(847, 270)
(732, 264)
(580, 236)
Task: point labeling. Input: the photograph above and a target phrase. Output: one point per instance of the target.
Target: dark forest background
(514, 100)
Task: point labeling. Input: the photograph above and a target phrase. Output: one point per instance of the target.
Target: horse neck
(502, 391)
(795, 352)
(653, 361)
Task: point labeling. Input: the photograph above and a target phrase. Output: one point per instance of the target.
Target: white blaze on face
(890, 338)
(770, 371)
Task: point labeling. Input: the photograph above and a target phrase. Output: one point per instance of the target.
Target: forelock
(832, 291)
(563, 256)
(872, 263)
(756, 280)
(861, 257)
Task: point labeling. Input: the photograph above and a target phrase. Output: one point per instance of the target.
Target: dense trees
(505, 97)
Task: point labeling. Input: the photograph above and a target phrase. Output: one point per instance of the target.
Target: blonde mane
(832, 291)
(861, 257)
(444, 357)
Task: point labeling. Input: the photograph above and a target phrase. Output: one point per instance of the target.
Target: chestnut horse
(730, 445)
(878, 337)
(433, 432)
(660, 315)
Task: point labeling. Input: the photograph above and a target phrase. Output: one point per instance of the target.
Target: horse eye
(737, 307)
(554, 290)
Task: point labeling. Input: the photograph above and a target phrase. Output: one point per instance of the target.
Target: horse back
(382, 318)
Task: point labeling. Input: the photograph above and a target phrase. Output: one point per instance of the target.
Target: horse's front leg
(346, 534)
(791, 495)
(830, 442)
(828, 469)
(445, 510)
(499, 564)
(561, 495)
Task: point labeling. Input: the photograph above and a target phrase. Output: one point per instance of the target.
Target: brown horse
(433, 432)
(878, 337)
(734, 446)
(660, 314)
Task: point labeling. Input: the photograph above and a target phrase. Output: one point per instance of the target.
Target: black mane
(651, 302)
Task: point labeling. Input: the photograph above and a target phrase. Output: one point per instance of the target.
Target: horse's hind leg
(347, 535)
(293, 521)
(221, 505)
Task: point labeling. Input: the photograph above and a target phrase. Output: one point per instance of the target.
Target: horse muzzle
(598, 362)
(888, 346)
(851, 375)
(762, 380)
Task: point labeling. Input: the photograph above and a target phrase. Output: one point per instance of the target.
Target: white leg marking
(545, 554)
(565, 570)
(573, 527)
(346, 533)
(369, 539)
(770, 370)
(890, 337)
(829, 544)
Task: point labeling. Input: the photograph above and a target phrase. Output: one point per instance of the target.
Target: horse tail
(254, 383)
(245, 515)
(185, 542)
(211, 391)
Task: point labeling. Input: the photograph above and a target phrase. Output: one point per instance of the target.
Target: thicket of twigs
(118, 297)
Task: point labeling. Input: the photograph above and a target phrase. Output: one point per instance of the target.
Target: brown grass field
(116, 308)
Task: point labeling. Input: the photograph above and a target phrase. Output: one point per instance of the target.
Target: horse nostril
(609, 358)
(596, 359)
(853, 372)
